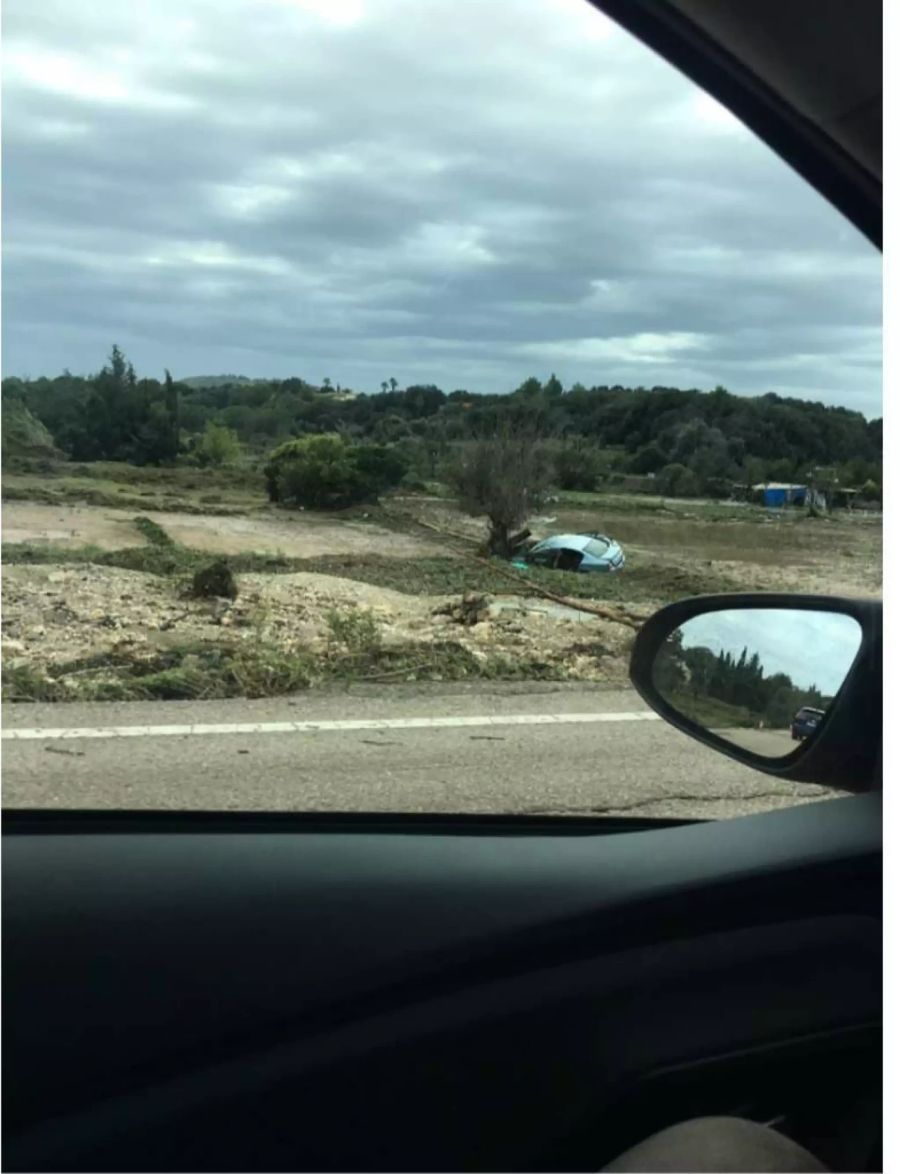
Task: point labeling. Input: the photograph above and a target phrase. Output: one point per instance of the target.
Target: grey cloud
(466, 192)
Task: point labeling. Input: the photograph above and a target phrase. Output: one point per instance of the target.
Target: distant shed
(777, 494)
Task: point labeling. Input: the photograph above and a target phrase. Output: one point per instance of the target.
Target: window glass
(317, 315)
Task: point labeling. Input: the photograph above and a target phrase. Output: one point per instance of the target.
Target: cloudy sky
(812, 648)
(447, 191)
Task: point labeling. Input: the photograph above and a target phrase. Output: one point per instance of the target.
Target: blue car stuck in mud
(590, 553)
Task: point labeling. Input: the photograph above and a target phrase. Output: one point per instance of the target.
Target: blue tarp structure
(775, 496)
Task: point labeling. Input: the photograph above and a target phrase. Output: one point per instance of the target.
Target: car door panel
(337, 999)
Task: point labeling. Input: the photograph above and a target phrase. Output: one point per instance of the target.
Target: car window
(318, 315)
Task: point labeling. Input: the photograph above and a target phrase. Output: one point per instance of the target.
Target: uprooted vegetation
(213, 672)
(256, 653)
(215, 581)
(130, 624)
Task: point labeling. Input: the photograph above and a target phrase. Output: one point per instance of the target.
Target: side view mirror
(788, 684)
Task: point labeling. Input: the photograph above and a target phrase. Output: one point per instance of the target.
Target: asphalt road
(534, 748)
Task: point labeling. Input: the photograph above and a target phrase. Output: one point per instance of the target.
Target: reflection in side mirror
(762, 678)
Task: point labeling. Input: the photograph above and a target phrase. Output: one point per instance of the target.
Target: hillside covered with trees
(691, 441)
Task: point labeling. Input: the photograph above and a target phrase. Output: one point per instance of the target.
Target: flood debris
(215, 581)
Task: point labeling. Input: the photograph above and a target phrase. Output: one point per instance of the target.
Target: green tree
(649, 459)
(677, 481)
(783, 469)
(577, 465)
(218, 446)
(173, 417)
(531, 387)
(503, 474)
(871, 491)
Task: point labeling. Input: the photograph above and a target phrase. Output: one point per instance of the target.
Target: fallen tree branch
(597, 609)
(388, 673)
(621, 616)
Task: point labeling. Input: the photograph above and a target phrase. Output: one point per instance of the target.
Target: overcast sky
(451, 191)
(812, 648)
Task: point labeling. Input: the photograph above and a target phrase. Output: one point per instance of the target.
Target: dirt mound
(59, 615)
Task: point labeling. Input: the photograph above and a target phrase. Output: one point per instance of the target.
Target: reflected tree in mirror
(763, 678)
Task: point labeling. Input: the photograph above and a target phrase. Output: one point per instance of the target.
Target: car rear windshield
(597, 547)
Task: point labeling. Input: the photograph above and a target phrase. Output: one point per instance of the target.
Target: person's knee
(722, 1144)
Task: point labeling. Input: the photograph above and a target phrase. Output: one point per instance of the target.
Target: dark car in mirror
(806, 722)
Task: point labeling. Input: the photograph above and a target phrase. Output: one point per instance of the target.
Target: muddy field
(297, 535)
(68, 613)
(753, 549)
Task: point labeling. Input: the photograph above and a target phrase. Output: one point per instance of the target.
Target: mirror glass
(762, 678)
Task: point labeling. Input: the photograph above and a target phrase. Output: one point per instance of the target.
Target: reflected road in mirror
(763, 678)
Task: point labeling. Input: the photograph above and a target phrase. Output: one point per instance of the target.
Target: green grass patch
(450, 576)
(436, 575)
(73, 493)
(180, 479)
(166, 558)
(223, 492)
(611, 503)
(152, 531)
(712, 713)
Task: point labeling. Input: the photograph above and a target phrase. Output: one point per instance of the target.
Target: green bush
(215, 581)
(649, 459)
(677, 481)
(326, 472)
(217, 446)
(356, 631)
(152, 531)
(577, 466)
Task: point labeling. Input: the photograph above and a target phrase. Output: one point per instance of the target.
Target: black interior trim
(800, 143)
(219, 952)
(80, 821)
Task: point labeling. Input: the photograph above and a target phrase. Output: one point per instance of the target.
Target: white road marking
(315, 727)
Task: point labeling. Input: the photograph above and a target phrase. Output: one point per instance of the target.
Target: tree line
(690, 441)
(690, 677)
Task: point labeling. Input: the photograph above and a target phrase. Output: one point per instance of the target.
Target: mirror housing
(846, 751)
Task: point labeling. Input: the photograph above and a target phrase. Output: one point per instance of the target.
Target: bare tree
(505, 475)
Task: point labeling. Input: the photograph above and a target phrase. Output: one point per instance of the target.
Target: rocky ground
(63, 616)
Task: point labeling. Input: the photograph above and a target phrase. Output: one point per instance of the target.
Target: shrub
(357, 631)
(217, 446)
(326, 472)
(152, 531)
(649, 459)
(215, 581)
(577, 466)
(677, 481)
